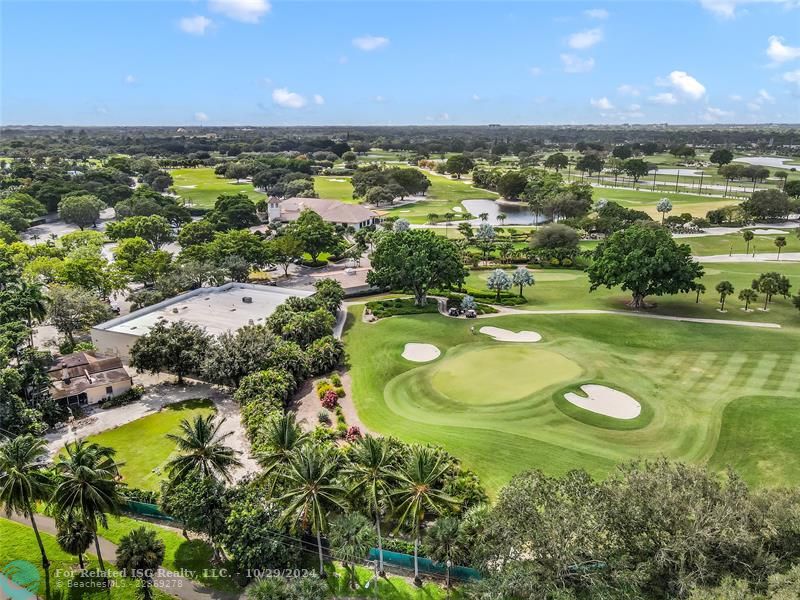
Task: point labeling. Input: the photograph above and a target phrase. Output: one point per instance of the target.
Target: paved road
(168, 581)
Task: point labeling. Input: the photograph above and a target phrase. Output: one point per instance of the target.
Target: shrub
(325, 354)
(330, 400)
(255, 416)
(567, 262)
(323, 387)
(336, 380)
(137, 495)
(341, 429)
(339, 392)
(271, 385)
(400, 306)
(353, 433)
(554, 262)
(132, 395)
(324, 417)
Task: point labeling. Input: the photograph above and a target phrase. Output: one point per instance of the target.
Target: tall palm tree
(312, 492)
(419, 491)
(442, 541)
(282, 437)
(88, 486)
(34, 304)
(73, 536)
(351, 534)
(202, 449)
(139, 554)
(23, 481)
(370, 474)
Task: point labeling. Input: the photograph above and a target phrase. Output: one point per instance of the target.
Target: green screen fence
(426, 565)
(147, 510)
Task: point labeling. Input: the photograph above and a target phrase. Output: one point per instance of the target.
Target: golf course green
(499, 406)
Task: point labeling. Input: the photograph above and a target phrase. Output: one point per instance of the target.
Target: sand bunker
(457, 209)
(187, 187)
(606, 401)
(420, 352)
(769, 231)
(338, 180)
(504, 335)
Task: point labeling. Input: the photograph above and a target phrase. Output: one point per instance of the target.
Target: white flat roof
(217, 309)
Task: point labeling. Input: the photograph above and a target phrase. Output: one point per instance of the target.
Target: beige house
(87, 378)
(356, 216)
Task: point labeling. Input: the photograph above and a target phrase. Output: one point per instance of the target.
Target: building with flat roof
(216, 309)
(287, 210)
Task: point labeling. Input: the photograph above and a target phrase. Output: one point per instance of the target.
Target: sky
(256, 62)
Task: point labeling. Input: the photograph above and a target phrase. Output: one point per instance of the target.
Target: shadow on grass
(191, 404)
(194, 556)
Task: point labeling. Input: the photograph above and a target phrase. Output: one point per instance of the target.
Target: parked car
(454, 312)
(470, 314)
(114, 307)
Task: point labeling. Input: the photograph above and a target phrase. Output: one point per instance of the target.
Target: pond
(766, 161)
(516, 214)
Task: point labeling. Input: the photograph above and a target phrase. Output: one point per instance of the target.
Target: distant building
(288, 210)
(216, 309)
(87, 378)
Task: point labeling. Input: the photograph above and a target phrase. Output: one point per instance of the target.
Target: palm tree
(202, 449)
(23, 481)
(501, 217)
(484, 216)
(351, 534)
(432, 218)
(748, 237)
(88, 486)
(701, 289)
(724, 289)
(73, 536)
(311, 492)
(280, 440)
(780, 242)
(747, 296)
(419, 491)
(370, 473)
(139, 554)
(442, 543)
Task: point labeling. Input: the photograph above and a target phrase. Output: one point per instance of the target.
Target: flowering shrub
(330, 400)
(353, 433)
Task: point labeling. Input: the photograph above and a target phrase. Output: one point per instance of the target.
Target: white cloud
(780, 52)
(715, 114)
(762, 97)
(200, 117)
(319, 100)
(368, 43)
(576, 64)
(285, 98)
(379, 99)
(627, 89)
(765, 96)
(792, 76)
(729, 9)
(687, 84)
(535, 71)
(735, 98)
(585, 39)
(130, 79)
(664, 98)
(246, 11)
(601, 103)
(596, 13)
(444, 117)
(476, 98)
(196, 25)
(634, 107)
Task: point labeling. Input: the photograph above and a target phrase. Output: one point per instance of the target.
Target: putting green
(497, 374)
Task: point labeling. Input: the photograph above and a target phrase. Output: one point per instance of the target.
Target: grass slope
(142, 444)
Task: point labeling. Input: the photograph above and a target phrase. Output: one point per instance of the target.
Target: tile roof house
(332, 211)
(87, 378)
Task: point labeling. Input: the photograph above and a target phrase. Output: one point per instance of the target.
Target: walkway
(167, 581)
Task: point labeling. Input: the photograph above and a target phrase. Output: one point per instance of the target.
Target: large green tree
(316, 235)
(416, 260)
(73, 310)
(178, 348)
(140, 553)
(458, 164)
(645, 261)
(82, 210)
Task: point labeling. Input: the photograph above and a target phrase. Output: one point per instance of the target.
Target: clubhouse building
(287, 210)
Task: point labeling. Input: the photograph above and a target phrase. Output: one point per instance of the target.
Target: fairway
(334, 188)
(517, 372)
(500, 407)
(142, 445)
(200, 187)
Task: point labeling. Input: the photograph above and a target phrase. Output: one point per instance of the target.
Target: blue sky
(234, 62)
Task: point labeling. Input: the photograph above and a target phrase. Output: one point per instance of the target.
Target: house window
(109, 390)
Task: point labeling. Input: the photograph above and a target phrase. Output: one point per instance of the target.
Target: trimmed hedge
(400, 306)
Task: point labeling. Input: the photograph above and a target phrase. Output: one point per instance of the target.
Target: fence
(147, 510)
(426, 565)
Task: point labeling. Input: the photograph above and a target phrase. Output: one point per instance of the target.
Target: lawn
(710, 245)
(19, 543)
(646, 201)
(389, 588)
(142, 444)
(499, 406)
(334, 188)
(200, 187)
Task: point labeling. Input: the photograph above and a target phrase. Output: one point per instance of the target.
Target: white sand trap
(187, 187)
(420, 352)
(457, 209)
(769, 231)
(338, 180)
(606, 401)
(504, 335)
